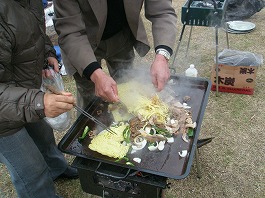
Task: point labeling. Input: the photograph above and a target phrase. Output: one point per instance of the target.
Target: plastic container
(191, 71)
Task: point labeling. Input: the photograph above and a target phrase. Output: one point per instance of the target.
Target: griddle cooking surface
(165, 163)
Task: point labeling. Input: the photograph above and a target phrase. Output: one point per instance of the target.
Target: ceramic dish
(241, 25)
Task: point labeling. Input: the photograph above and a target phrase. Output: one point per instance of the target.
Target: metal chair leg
(216, 60)
(182, 31)
(226, 33)
(178, 45)
(188, 46)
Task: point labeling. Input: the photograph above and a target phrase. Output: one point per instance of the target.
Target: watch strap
(163, 52)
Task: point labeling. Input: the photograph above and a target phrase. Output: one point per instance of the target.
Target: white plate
(241, 25)
(238, 32)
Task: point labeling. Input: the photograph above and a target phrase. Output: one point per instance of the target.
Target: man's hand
(54, 105)
(105, 86)
(160, 72)
(52, 62)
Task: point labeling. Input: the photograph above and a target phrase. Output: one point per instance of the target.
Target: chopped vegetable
(123, 158)
(161, 131)
(170, 140)
(137, 159)
(152, 131)
(190, 132)
(126, 134)
(161, 145)
(140, 145)
(185, 138)
(84, 134)
(153, 146)
(183, 153)
(129, 163)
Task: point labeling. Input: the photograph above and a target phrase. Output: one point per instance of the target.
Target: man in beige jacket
(92, 30)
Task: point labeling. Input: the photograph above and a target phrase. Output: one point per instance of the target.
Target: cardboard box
(234, 79)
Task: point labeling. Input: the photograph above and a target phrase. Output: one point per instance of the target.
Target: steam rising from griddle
(139, 73)
(136, 83)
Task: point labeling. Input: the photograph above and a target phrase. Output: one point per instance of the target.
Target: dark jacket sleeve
(18, 105)
(49, 50)
(36, 8)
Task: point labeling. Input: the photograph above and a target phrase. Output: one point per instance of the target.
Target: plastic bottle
(191, 71)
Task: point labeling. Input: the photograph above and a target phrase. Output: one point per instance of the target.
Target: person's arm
(20, 104)
(73, 39)
(164, 19)
(49, 50)
(50, 54)
(14, 101)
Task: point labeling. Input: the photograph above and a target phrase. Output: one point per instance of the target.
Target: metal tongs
(80, 110)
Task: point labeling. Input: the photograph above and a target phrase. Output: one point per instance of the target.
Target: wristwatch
(163, 52)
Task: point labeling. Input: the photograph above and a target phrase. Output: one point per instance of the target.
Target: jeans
(33, 160)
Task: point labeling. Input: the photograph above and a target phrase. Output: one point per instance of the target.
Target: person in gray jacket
(27, 143)
(90, 31)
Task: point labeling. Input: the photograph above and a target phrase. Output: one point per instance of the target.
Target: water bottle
(191, 71)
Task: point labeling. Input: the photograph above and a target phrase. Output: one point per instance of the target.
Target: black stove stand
(107, 180)
(207, 13)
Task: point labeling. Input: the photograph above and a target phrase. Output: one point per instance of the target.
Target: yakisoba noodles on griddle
(110, 144)
(152, 108)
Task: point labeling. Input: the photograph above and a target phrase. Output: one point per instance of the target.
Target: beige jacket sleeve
(69, 25)
(164, 20)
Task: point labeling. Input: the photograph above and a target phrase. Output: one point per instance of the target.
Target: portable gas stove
(107, 177)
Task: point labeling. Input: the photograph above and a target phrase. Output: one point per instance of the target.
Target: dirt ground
(232, 165)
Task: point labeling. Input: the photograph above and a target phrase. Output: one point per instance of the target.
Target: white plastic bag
(63, 121)
(239, 58)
